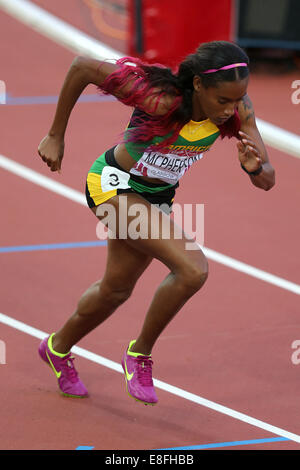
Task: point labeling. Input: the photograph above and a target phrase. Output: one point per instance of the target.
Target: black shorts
(97, 193)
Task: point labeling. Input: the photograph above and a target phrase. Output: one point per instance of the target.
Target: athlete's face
(218, 103)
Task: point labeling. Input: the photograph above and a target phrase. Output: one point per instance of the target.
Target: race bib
(169, 167)
(113, 178)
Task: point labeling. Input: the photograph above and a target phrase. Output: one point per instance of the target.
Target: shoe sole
(72, 396)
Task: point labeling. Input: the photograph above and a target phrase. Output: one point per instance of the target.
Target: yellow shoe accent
(52, 350)
(58, 374)
(135, 354)
(128, 376)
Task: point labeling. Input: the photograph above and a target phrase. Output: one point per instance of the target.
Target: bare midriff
(127, 162)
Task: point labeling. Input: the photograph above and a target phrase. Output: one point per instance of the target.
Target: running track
(231, 344)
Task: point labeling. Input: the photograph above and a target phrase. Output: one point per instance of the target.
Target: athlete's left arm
(252, 152)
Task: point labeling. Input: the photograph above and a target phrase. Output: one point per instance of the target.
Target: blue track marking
(229, 444)
(84, 448)
(23, 100)
(214, 445)
(52, 246)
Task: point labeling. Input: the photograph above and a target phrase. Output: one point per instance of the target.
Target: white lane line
(252, 271)
(41, 180)
(278, 138)
(80, 43)
(158, 383)
(57, 30)
(76, 196)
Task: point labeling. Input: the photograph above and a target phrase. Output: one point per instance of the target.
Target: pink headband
(226, 67)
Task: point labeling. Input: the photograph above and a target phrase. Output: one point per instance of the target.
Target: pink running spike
(138, 377)
(68, 381)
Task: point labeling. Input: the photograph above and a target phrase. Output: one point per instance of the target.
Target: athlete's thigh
(124, 264)
(162, 238)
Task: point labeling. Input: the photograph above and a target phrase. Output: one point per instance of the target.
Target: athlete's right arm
(82, 72)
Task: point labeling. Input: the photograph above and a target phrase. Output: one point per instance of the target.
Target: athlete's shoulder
(246, 110)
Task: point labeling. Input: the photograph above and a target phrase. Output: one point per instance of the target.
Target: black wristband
(253, 173)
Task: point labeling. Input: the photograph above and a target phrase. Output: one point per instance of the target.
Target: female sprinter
(175, 116)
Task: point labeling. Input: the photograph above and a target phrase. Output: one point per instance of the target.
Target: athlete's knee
(115, 294)
(103, 295)
(195, 278)
(194, 275)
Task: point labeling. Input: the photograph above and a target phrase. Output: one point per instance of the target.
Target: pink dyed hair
(231, 127)
(144, 85)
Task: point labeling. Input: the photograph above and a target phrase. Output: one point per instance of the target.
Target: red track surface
(230, 344)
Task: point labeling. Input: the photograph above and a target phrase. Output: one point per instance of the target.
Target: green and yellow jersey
(171, 163)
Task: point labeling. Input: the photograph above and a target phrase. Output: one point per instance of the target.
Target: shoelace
(144, 370)
(69, 368)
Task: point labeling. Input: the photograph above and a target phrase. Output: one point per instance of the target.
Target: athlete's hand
(249, 154)
(51, 151)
